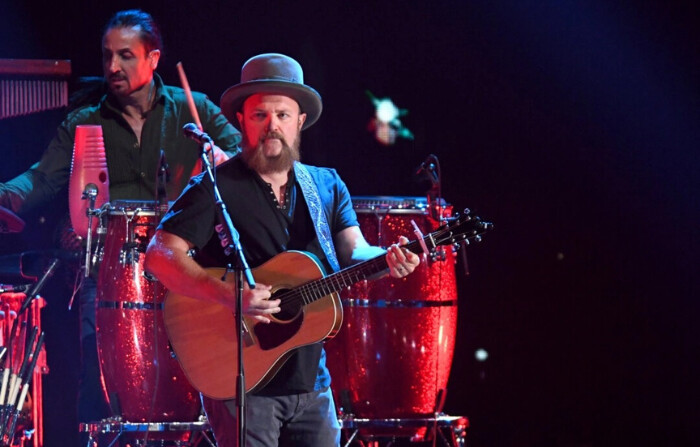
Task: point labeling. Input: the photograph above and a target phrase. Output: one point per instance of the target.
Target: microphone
(90, 191)
(4, 288)
(192, 132)
(425, 167)
(162, 179)
(428, 170)
(163, 167)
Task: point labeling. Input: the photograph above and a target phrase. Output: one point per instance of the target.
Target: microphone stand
(90, 193)
(431, 169)
(39, 285)
(231, 241)
(162, 179)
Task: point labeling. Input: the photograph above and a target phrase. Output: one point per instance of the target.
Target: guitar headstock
(457, 229)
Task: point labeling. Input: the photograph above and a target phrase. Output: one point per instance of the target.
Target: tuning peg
(438, 255)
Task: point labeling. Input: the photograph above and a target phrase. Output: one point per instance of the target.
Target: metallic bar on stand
(32, 85)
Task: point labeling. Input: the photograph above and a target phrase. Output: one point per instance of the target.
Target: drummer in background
(265, 191)
(139, 116)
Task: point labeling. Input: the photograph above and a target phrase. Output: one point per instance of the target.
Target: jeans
(298, 420)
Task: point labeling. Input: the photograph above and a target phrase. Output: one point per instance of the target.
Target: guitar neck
(461, 229)
(321, 287)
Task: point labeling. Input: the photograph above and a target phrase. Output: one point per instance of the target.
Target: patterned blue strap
(318, 216)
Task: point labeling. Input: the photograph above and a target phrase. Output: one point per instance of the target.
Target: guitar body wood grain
(203, 334)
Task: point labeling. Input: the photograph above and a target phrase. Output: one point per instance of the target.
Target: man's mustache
(273, 134)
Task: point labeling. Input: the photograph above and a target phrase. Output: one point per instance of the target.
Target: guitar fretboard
(317, 289)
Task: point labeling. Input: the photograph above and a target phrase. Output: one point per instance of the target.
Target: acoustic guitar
(203, 334)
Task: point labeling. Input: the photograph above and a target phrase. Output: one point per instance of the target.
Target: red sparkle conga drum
(393, 353)
(144, 381)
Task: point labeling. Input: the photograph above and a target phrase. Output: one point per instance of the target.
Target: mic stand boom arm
(230, 240)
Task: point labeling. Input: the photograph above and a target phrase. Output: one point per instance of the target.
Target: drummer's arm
(352, 247)
(168, 260)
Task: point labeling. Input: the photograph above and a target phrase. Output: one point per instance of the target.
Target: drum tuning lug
(477, 238)
(129, 253)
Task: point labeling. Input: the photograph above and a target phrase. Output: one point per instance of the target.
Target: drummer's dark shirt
(132, 167)
(266, 229)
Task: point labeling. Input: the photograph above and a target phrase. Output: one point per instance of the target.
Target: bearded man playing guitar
(275, 203)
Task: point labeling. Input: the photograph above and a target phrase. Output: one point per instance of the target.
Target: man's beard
(257, 161)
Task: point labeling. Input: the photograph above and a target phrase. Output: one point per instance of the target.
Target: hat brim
(309, 100)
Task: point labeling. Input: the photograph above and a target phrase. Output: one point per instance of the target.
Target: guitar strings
(318, 288)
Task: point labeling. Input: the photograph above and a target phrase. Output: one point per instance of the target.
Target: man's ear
(154, 57)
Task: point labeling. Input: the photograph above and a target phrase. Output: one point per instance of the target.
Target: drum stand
(154, 434)
(440, 430)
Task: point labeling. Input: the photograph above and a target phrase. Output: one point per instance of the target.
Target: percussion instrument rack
(442, 430)
(148, 433)
(29, 86)
(27, 377)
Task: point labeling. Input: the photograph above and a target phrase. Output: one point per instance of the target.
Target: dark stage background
(573, 126)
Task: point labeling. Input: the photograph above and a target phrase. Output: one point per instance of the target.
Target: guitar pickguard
(275, 334)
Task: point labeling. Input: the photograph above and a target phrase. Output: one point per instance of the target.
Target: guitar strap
(318, 216)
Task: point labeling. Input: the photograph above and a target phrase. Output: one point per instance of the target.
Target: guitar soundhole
(287, 324)
(290, 308)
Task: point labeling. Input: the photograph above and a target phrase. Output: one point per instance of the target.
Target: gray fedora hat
(272, 73)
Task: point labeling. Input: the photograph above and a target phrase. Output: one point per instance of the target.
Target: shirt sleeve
(14, 192)
(345, 214)
(45, 179)
(193, 215)
(336, 199)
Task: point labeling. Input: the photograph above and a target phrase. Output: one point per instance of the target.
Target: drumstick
(17, 349)
(29, 373)
(13, 416)
(16, 380)
(195, 115)
(5, 380)
(188, 94)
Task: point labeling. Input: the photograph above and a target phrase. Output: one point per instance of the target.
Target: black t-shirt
(266, 229)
